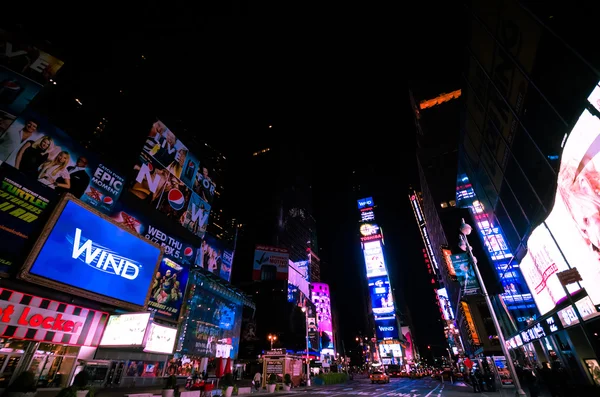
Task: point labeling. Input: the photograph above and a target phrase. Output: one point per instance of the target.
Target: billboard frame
(24, 273)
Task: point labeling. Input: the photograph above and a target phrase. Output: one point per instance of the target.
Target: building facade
(526, 123)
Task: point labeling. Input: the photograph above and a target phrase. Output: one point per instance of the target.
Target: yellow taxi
(379, 377)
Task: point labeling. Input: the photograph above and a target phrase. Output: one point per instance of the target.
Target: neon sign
(428, 245)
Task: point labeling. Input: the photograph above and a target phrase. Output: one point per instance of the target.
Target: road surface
(400, 387)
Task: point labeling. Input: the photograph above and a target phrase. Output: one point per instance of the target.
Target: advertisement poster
(23, 202)
(85, 251)
(465, 273)
(172, 180)
(373, 252)
(47, 154)
(213, 257)
(382, 300)
(270, 263)
(447, 311)
(170, 281)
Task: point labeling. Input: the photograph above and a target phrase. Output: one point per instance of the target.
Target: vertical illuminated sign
(416, 206)
(380, 291)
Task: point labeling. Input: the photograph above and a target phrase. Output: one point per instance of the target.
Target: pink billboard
(322, 301)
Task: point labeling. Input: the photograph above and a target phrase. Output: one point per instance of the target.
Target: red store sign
(30, 317)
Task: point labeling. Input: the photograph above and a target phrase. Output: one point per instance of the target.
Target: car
(379, 377)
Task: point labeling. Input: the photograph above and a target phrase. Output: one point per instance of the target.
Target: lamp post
(465, 230)
(305, 311)
(272, 338)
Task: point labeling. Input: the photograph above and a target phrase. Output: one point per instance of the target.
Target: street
(401, 387)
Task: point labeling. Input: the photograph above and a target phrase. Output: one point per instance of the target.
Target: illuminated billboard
(416, 206)
(445, 304)
(87, 254)
(375, 264)
(322, 301)
(574, 222)
(173, 180)
(365, 203)
(43, 152)
(382, 300)
(387, 329)
(270, 263)
(297, 281)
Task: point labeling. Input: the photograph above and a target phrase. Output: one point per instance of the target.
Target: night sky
(338, 86)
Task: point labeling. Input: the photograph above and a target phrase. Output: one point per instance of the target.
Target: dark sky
(337, 85)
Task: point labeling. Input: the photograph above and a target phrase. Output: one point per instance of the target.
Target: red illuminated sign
(377, 236)
(30, 317)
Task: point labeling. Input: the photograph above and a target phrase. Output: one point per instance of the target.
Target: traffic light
(429, 347)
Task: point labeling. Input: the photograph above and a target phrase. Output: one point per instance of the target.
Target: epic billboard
(43, 152)
(83, 253)
(173, 180)
(574, 222)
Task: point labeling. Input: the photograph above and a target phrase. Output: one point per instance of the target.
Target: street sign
(570, 276)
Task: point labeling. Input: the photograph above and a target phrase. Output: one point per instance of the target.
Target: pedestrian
(532, 382)
(476, 381)
(257, 380)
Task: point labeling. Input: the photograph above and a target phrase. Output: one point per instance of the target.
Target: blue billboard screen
(382, 301)
(387, 329)
(85, 251)
(365, 203)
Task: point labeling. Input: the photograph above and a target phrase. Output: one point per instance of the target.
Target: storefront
(47, 337)
(560, 339)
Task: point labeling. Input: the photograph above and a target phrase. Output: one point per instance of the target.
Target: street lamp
(305, 311)
(465, 230)
(272, 338)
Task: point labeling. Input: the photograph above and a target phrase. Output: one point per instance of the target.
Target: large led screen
(213, 322)
(382, 300)
(373, 252)
(82, 252)
(173, 180)
(125, 330)
(574, 222)
(387, 329)
(575, 217)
